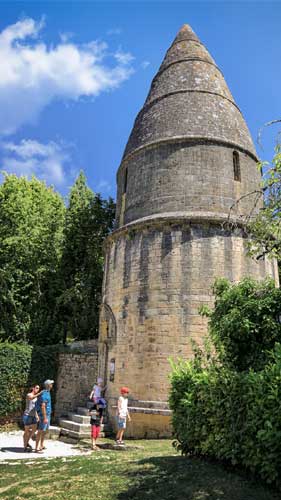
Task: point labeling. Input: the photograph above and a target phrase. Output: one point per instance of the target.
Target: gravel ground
(11, 448)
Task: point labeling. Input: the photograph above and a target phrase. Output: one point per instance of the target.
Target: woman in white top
(30, 417)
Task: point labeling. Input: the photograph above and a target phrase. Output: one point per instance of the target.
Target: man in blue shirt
(44, 410)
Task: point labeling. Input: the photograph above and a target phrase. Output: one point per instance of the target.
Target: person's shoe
(29, 446)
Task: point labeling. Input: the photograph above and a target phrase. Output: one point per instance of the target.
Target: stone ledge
(187, 217)
(210, 140)
(148, 411)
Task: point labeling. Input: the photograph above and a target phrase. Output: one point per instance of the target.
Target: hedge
(22, 366)
(229, 415)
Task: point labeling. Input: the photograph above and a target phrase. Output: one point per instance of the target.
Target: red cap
(124, 390)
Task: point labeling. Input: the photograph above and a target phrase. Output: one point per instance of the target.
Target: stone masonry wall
(186, 177)
(156, 279)
(76, 376)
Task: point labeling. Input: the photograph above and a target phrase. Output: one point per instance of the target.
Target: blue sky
(75, 74)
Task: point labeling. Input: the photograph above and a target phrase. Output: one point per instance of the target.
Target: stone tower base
(149, 419)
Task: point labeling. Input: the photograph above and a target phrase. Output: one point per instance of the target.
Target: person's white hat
(48, 382)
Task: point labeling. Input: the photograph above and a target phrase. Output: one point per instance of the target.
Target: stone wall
(77, 374)
(184, 177)
(156, 279)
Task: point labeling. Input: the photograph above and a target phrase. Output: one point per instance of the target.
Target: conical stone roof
(189, 99)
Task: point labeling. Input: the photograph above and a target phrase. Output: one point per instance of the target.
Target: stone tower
(189, 157)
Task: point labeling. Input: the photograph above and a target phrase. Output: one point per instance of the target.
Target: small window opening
(125, 181)
(236, 166)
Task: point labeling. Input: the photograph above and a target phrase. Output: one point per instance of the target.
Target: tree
(31, 236)
(245, 323)
(265, 229)
(89, 219)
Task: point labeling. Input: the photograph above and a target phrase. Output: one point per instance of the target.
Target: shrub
(15, 363)
(22, 366)
(245, 322)
(221, 413)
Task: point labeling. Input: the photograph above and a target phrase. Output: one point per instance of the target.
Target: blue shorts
(42, 426)
(121, 422)
(28, 420)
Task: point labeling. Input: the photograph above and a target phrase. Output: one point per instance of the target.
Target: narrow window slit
(125, 181)
(236, 166)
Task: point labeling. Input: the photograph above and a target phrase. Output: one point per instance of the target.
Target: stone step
(149, 404)
(77, 435)
(80, 419)
(149, 411)
(75, 426)
(138, 403)
(82, 410)
(53, 432)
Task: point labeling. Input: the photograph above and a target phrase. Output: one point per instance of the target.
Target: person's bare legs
(120, 434)
(40, 440)
(26, 436)
(30, 434)
(43, 433)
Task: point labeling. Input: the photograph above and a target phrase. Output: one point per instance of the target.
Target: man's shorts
(95, 431)
(121, 422)
(42, 426)
(28, 420)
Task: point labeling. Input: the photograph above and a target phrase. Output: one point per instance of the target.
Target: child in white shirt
(122, 414)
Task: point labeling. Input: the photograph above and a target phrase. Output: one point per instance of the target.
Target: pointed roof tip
(186, 33)
(185, 28)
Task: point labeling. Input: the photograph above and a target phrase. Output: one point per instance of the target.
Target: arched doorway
(107, 340)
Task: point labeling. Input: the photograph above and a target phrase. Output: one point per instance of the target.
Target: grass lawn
(153, 471)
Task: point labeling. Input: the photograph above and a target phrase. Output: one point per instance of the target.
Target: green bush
(245, 322)
(22, 366)
(228, 415)
(15, 363)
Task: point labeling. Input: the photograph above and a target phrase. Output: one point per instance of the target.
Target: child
(95, 395)
(96, 416)
(122, 414)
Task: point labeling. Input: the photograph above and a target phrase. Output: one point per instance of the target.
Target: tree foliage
(31, 233)
(265, 229)
(51, 260)
(245, 323)
(89, 219)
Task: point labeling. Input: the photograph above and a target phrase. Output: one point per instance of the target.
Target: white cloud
(46, 161)
(123, 57)
(33, 74)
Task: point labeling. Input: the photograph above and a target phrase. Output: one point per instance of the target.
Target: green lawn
(154, 471)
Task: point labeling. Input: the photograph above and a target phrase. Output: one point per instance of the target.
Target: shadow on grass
(182, 478)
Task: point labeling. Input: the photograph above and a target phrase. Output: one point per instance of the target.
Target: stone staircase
(77, 424)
